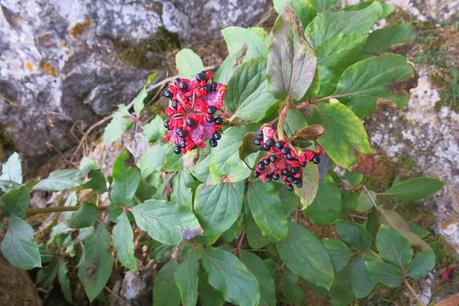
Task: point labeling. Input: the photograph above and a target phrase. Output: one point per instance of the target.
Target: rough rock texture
(18, 290)
(61, 63)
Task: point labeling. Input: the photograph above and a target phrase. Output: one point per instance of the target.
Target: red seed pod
(283, 161)
(194, 107)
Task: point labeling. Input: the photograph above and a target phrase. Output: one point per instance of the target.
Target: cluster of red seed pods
(193, 112)
(283, 161)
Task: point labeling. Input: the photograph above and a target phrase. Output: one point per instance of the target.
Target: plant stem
(317, 100)
(282, 116)
(416, 296)
(47, 210)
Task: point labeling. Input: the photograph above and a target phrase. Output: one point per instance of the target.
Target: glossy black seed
(209, 88)
(265, 146)
(177, 150)
(218, 120)
(266, 161)
(213, 86)
(190, 122)
(289, 187)
(261, 165)
(279, 145)
(213, 143)
(299, 184)
(294, 170)
(201, 76)
(290, 157)
(180, 132)
(275, 176)
(217, 136)
(210, 119)
(270, 142)
(174, 104)
(272, 158)
(177, 80)
(316, 159)
(183, 143)
(183, 85)
(285, 151)
(166, 123)
(289, 179)
(167, 93)
(259, 132)
(285, 171)
(269, 178)
(257, 174)
(257, 141)
(211, 110)
(304, 164)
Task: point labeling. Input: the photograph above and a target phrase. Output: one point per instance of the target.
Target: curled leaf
(311, 132)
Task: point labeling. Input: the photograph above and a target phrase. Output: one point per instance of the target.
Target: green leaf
(201, 169)
(257, 267)
(165, 292)
(422, 264)
(174, 162)
(126, 179)
(154, 130)
(414, 189)
(188, 63)
(123, 239)
(85, 216)
(362, 283)
(388, 37)
(339, 253)
(304, 9)
(64, 281)
(186, 277)
(47, 275)
(308, 191)
(153, 160)
(218, 206)
(255, 39)
(267, 210)
(120, 123)
(16, 201)
(334, 56)
(326, 207)
(12, 170)
(229, 64)
(291, 62)
(341, 292)
(139, 100)
(354, 235)
(290, 288)
(163, 221)
(393, 247)
(304, 254)
(96, 262)
(294, 122)
(96, 182)
(182, 184)
(385, 273)
(248, 96)
(231, 277)
(330, 24)
(208, 296)
(364, 202)
(60, 180)
(225, 164)
(18, 246)
(344, 133)
(254, 237)
(362, 84)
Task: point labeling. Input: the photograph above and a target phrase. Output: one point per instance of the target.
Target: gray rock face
(61, 64)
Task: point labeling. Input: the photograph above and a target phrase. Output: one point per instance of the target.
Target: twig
(416, 296)
(317, 100)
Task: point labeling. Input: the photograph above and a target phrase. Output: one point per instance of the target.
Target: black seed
(265, 146)
(201, 76)
(275, 176)
(210, 119)
(166, 123)
(211, 110)
(285, 151)
(294, 170)
(213, 86)
(259, 132)
(304, 164)
(269, 178)
(257, 141)
(284, 171)
(189, 122)
(183, 85)
(261, 165)
(279, 145)
(174, 104)
(217, 136)
(257, 174)
(209, 88)
(266, 161)
(180, 132)
(218, 120)
(270, 142)
(167, 93)
(289, 179)
(177, 80)
(177, 150)
(289, 187)
(290, 157)
(183, 143)
(213, 143)
(272, 158)
(316, 159)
